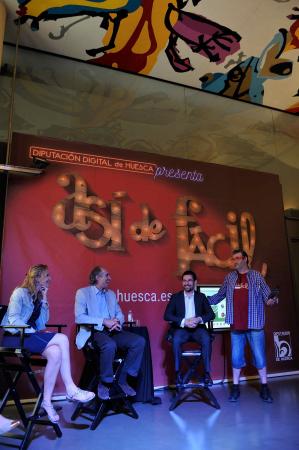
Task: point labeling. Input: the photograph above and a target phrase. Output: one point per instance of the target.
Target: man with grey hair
(98, 305)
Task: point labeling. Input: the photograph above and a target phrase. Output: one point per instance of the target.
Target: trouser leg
(106, 347)
(133, 345)
(180, 336)
(238, 342)
(203, 337)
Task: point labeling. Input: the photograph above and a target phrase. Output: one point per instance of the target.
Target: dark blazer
(175, 310)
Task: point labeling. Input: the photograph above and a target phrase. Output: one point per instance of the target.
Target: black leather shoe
(103, 392)
(234, 393)
(265, 394)
(208, 382)
(128, 390)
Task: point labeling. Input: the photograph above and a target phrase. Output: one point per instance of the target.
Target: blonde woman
(28, 305)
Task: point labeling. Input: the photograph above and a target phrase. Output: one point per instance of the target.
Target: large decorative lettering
(147, 229)
(78, 213)
(97, 223)
(190, 246)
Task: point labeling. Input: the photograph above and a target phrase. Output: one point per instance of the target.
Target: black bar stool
(197, 390)
(118, 401)
(186, 389)
(14, 362)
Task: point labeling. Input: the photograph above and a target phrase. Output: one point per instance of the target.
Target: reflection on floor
(249, 424)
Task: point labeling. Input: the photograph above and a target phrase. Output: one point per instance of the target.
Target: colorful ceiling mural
(243, 50)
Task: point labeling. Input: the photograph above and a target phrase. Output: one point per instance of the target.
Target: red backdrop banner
(145, 218)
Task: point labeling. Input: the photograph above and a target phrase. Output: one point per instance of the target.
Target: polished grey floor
(248, 424)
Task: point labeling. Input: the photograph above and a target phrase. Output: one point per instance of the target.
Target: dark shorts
(35, 343)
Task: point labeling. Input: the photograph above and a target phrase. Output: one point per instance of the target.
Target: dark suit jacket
(175, 310)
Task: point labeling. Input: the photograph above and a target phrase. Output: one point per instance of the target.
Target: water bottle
(130, 316)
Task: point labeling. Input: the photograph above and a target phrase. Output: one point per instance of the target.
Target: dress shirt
(102, 302)
(189, 307)
(93, 306)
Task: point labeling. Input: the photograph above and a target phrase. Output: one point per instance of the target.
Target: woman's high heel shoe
(51, 412)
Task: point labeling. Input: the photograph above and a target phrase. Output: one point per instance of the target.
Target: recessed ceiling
(245, 50)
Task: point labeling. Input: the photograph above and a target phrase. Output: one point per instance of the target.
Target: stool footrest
(201, 393)
(117, 402)
(191, 353)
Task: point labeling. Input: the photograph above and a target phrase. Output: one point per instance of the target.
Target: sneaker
(7, 425)
(80, 396)
(234, 393)
(103, 392)
(265, 394)
(208, 382)
(127, 389)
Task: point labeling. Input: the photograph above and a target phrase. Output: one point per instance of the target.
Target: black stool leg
(11, 391)
(26, 438)
(99, 415)
(192, 369)
(211, 397)
(185, 390)
(130, 408)
(204, 392)
(125, 400)
(91, 386)
(116, 397)
(178, 398)
(35, 419)
(76, 412)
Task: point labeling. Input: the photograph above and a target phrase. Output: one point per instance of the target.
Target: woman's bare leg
(53, 355)
(61, 341)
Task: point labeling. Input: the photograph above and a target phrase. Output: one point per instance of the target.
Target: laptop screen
(219, 310)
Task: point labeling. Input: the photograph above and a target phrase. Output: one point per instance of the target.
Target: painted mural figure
(188, 311)
(52, 10)
(246, 294)
(247, 79)
(203, 36)
(145, 36)
(29, 305)
(97, 304)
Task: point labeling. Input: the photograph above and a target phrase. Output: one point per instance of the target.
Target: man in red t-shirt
(246, 294)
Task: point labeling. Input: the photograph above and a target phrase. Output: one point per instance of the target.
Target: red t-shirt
(241, 303)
